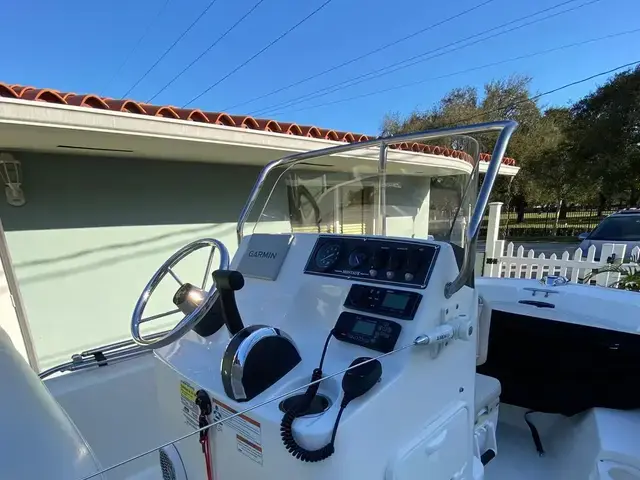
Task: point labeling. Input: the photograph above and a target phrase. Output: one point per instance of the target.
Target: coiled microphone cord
(299, 408)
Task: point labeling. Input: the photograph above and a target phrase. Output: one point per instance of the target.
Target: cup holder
(320, 404)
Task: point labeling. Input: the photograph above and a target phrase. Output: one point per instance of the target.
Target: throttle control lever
(228, 282)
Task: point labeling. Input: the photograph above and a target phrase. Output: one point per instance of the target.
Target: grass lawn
(538, 226)
(542, 239)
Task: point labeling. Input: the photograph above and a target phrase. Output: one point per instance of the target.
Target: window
(619, 228)
(315, 207)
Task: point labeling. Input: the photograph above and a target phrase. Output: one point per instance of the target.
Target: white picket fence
(515, 263)
(573, 265)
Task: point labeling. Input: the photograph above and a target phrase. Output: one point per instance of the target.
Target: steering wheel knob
(188, 297)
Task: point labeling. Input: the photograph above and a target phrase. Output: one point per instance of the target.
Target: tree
(501, 99)
(605, 138)
(590, 151)
(556, 176)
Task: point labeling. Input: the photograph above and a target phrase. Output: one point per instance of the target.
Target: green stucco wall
(94, 230)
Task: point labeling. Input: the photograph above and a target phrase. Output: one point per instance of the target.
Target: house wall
(94, 230)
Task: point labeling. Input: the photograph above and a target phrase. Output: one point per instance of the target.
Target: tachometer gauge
(327, 255)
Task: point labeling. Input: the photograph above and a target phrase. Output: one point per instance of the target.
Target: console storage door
(441, 452)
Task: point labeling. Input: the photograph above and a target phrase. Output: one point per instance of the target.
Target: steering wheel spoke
(175, 277)
(196, 312)
(207, 270)
(159, 315)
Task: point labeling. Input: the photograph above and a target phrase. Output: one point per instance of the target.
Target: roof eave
(40, 126)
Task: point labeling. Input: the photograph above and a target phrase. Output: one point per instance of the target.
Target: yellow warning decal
(187, 391)
(190, 410)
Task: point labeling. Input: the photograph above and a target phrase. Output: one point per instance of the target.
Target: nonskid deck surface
(518, 459)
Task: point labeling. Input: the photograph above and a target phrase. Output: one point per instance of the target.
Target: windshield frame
(504, 127)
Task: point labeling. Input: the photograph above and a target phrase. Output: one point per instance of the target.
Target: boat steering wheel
(192, 301)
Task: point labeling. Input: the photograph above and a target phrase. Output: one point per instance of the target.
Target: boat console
(333, 355)
(327, 339)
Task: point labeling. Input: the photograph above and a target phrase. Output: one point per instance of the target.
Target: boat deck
(517, 457)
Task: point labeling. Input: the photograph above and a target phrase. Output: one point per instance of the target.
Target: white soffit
(64, 129)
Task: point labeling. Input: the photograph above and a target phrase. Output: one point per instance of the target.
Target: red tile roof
(218, 118)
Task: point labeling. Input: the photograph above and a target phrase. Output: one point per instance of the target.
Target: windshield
(622, 228)
(419, 197)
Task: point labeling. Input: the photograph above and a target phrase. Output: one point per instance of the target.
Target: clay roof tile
(218, 118)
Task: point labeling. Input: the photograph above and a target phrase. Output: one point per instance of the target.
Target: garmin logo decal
(262, 254)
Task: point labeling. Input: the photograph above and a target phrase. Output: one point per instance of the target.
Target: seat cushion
(59, 451)
(487, 392)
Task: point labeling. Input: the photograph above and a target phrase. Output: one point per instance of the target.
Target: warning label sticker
(189, 408)
(251, 450)
(248, 430)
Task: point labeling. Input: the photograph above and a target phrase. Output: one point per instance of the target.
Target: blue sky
(75, 45)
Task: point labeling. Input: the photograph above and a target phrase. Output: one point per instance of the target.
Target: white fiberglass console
(412, 402)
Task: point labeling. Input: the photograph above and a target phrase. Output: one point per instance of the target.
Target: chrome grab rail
(101, 356)
(506, 129)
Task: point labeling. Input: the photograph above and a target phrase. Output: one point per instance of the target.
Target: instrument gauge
(328, 255)
(357, 258)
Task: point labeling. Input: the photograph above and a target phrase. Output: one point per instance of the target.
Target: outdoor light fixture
(11, 173)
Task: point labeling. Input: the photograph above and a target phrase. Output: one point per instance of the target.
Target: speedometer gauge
(327, 255)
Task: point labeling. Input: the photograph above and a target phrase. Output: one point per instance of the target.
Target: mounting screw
(461, 390)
